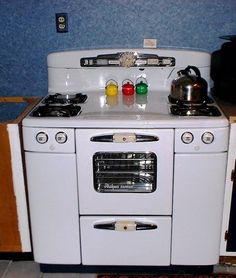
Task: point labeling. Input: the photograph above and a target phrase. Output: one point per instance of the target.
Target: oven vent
(124, 172)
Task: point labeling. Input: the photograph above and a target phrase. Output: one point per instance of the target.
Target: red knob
(128, 88)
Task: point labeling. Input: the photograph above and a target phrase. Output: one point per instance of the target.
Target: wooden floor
(30, 269)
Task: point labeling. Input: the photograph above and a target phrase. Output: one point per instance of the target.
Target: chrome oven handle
(102, 138)
(145, 226)
(105, 226)
(146, 138)
(125, 226)
(124, 138)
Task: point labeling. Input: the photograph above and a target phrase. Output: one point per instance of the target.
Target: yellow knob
(111, 89)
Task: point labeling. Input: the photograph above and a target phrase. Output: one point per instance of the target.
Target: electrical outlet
(62, 22)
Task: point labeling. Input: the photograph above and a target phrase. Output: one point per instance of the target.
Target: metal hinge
(233, 172)
(226, 235)
(232, 175)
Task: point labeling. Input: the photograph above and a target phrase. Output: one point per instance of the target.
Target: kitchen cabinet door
(228, 237)
(197, 208)
(53, 203)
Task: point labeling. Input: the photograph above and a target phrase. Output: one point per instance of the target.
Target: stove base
(173, 269)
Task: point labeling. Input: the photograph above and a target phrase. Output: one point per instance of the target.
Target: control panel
(207, 137)
(49, 140)
(201, 140)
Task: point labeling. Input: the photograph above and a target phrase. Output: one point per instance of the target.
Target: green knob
(141, 88)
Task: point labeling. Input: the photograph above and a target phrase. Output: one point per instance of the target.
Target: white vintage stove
(119, 175)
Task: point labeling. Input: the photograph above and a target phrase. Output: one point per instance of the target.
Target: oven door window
(124, 172)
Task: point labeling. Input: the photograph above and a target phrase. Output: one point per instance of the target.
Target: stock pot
(188, 87)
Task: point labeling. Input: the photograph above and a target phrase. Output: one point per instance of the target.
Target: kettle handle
(141, 79)
(195, 69)
(127, 81)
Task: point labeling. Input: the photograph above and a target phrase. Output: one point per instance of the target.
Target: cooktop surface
(150, 110)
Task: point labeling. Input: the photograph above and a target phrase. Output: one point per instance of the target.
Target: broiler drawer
(125, 240)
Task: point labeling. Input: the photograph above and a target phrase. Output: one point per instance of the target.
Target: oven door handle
(102, 138)
(124, 138)
(125, 226)
(146, 138)
(145, 226)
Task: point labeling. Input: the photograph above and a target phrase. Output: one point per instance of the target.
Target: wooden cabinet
(14, 226)
(9, 233)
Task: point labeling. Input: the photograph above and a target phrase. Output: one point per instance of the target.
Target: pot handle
(195, 69)
(127, 81)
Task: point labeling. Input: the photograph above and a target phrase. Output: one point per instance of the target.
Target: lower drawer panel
(126, 246)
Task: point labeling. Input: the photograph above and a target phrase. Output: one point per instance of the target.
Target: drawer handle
(125, 226)
(145, 226)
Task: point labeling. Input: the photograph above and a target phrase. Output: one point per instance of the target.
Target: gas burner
(208, 100)
(56, 111)
(195, 110)
(60, 99)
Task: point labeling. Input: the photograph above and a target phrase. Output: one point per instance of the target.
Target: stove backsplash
(64, 66)
(28, 39)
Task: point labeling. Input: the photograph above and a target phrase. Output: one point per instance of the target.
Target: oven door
(125, 171)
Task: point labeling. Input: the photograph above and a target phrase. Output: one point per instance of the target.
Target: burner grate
(195, 110)
(56, 111)
(60, 99)
(207, 100)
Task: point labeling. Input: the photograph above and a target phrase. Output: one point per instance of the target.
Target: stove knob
(187, 137)
(207, 137)
(61, 137)
(42, 137)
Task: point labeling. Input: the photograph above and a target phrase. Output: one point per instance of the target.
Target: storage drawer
(125, 240)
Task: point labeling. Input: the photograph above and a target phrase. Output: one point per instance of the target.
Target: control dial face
(61, 137)
(207, 137)
(41, 137)
(187, 137)
(127, 59)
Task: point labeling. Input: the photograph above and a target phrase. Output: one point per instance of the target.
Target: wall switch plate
(149, 43)
(62, 22)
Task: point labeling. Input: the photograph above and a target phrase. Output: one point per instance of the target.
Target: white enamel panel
(126, 120)
(138, 111)
(53, 203)
(197, 208)
(219, 143)
(66, 75)
(157, 202)
(71, 59)
(51, 143)
(108, 247)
